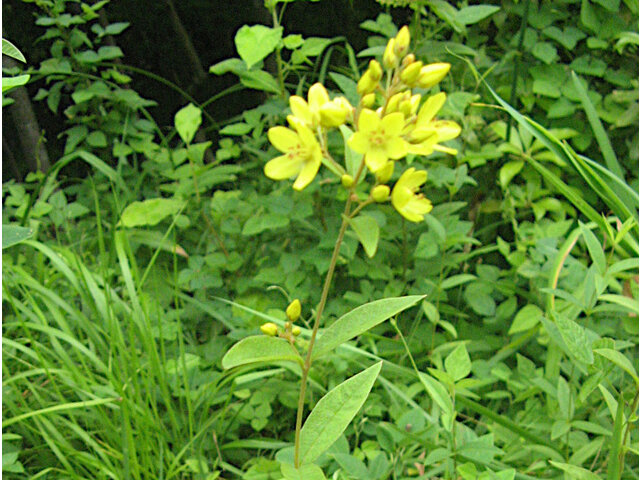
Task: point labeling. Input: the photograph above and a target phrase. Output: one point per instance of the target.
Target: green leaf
(477, 296)
(575, 473)
(474, 14)
(351, 159)
(360, 320)
(260, 348)
(309, 471)
(333, 413)
(545, 51)
(149, 212)
(575, 338)
(527, 318)
(619, 359)
(11, 82)
(437, 392)
(236, 129)
(595, 249)
(458, 364)
(13, 234)
(259, 223)
(109, 53)
(508, 171)
(368, 233)
(12, 51)
(256, 42)
(259, 80)
(187, 121)
(598, 130)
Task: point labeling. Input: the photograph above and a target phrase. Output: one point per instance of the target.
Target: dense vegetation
(452, 208)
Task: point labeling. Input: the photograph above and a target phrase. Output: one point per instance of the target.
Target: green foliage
(133, 297)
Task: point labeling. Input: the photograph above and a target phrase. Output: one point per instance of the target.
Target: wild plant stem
(323, 301)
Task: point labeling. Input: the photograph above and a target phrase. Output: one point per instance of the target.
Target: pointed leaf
(309, 471)
(149, 212)
(187, 121)
(360, 320)
(458, 364)
(334, 412)
(368, 233)
(256, 42)
(259, 348)
(13, 234)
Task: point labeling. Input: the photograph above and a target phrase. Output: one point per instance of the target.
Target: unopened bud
(408, 60)
(375, 70)
(368, 100)
(431, 74)
(366, 84)
(380, 193)
(270, 329)
(293, 310)
(383, 175)
(402, 42)
(287, 326)
(347, 180)
(410, 73)
(394, 101)
(405, 108)
(389, 58)
(296, 331)
(332, 114)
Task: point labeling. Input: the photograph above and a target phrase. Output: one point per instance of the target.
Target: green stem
(321, 305)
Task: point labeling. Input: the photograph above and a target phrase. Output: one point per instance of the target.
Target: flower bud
(431, 74)
(375, 70)
(408, 60)
(347, 180)
(389, 58)
(380, 193)
(410, 73)
(368, 100)
(405, 108)
(366, 84)
(394, 101)
(293, 310)
(345, 105)
(332, 114)
(296, 331)
(383, 175)
(270, 329)
(403, 39)
(415, 103)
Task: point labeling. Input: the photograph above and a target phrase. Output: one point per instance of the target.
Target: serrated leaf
(360, 320)
(333, 413)
(260, 348)
(367, 231)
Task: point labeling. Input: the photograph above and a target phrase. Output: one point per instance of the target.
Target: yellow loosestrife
(404, 198)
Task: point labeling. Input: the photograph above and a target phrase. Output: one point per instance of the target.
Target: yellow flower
(410, 205)
(309, 113)
(302, 155)
(427, 133)
(379, 139)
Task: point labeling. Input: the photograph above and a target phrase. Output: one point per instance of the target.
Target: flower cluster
(389, 122)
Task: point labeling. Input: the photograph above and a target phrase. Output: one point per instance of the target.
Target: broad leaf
(259, 348)
(368, 233)
(361, 319)
(458, 364)
(527, 318)
(309, 471)
(256, 42)
(13, 234)
(188, 120)
(149, 212)
(334, 412)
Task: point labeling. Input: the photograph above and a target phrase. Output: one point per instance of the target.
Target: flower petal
(283, 138)
(395, 147)
(446, 130)
(300, 109)
(393, 124)
(283, 167)
(431, 107)
(307, 173)
(359, 142)
(375, 159)
(318, 96)
(416, 209)
(368, 121)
